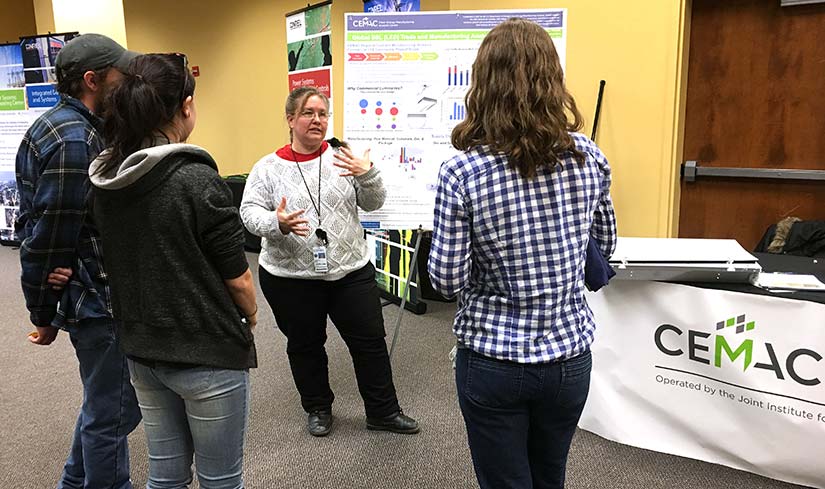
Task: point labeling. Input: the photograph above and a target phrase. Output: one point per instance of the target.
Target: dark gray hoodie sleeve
(220, 228)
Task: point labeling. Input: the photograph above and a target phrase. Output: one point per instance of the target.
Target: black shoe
(319, 422)
(397, 423)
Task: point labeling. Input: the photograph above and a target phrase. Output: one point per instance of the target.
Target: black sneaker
(319, 422)
(397, 423)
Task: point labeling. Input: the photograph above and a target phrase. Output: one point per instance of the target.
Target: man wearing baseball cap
(59, 240)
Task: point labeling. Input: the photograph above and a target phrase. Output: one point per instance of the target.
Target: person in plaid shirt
(59, 241)
(514, 214)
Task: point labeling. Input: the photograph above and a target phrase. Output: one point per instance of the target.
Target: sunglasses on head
(185, 66)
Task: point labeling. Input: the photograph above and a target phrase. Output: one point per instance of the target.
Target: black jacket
(804, 238)
(171, 237)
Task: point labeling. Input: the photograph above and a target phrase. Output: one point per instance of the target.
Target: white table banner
(726, 377)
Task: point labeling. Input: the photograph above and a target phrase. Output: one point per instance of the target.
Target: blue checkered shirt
(514, 249)
(52, 169)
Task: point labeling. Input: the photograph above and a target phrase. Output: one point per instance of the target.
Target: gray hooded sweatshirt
(171, 237)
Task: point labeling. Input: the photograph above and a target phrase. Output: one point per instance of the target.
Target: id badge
(320, 254)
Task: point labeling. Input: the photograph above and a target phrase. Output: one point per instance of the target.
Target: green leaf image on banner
(318, 20)
(309, 53)
(12, 99)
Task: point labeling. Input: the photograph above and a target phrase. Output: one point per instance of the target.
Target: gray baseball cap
(90, 52)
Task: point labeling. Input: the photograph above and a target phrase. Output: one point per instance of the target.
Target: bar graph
(459, 112)
(410, 157)
(458, 77)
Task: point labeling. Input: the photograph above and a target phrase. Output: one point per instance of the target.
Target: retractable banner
(725, 377)
(27, 81)
(308, 37)
(13, 124)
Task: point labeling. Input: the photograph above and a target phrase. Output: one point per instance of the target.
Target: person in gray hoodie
(182, 290)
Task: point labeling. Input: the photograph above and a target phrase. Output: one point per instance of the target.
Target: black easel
(598, 110)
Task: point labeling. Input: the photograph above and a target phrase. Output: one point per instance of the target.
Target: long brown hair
(517, 102)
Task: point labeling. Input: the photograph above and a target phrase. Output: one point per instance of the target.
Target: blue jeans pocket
(575, 381)
(93, 334)
(195, 382)
(492, 383)
(205, 377)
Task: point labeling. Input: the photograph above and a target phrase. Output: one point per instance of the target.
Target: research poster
(309, 54)
(406, 75)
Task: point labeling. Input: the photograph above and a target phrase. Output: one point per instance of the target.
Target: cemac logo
(365, 22)
(730, 351)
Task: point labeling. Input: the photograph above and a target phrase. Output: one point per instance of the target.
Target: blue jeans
(520, 418)
(99, 456)
(200, 411)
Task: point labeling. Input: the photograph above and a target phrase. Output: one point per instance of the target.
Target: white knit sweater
(291, 255)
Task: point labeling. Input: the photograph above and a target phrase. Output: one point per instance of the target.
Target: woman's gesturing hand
(353, 165)
(291, 222)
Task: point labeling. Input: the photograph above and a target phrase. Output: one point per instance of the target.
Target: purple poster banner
(460, 20)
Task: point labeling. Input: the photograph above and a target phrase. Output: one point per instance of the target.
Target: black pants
(352, 303)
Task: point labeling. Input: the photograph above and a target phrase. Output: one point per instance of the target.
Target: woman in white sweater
(303, 201)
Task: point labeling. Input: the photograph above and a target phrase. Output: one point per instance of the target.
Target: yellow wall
(637, 47)
(17, 20)
(437, 5)
(98, 16)
(44, 14)
(240, 49)
(241, 53)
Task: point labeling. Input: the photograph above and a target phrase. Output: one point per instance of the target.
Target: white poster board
(725, 377)
(406, 76)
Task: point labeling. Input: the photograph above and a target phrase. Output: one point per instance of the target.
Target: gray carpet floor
(40, 394)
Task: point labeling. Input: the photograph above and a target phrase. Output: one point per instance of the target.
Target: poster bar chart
(458, 112)
(457, 78)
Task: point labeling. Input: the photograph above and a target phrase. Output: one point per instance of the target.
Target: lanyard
(320, 233)
(318, 207)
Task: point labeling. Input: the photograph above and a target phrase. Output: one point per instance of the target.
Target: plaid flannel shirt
(514, 250)
(52, 170)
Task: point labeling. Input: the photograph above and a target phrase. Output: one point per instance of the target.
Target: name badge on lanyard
(319, 254)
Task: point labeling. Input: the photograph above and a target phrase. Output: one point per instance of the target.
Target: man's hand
(59, 278)
(44, 335)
